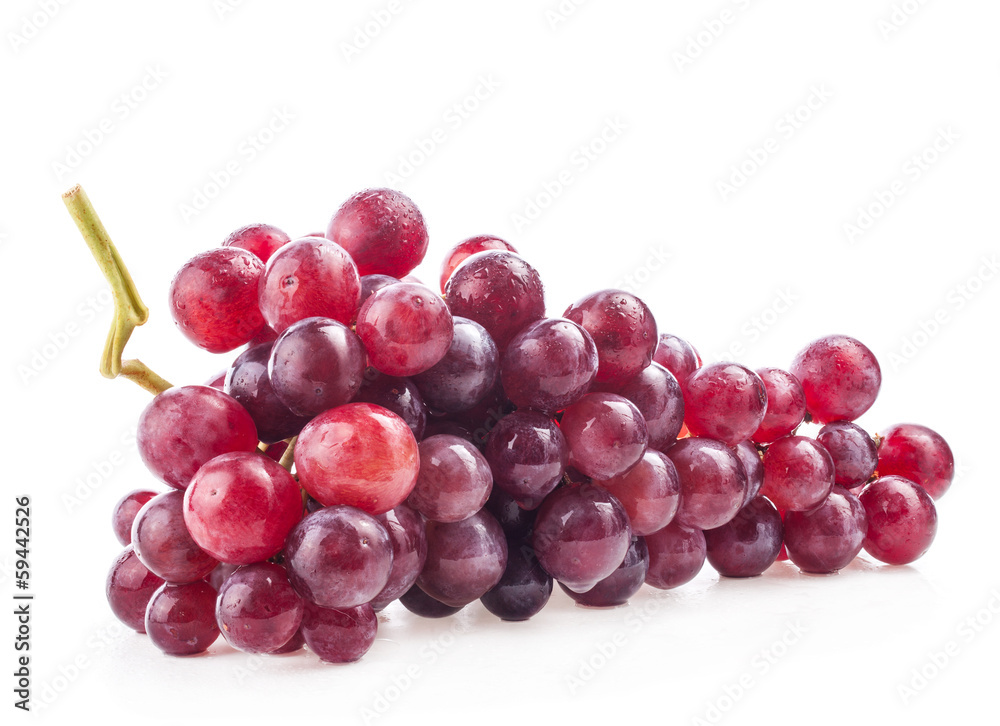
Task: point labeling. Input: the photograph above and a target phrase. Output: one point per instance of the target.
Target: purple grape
(515, 521)
(747, 544)
(464, 559)
(409, 552)
(164, 545)
(316, 364)
(550, 364)
(124, 513)
(527, 454)
(829, 537)
(129, 587)
(753, 465)
(713, 482)
(606, 435)
(677, 355)
(180, 619)
(623, 329)
(338, 557)
(257, 610)
(247, 381)
(676, 556)
(581, 535)
(853, 452)
(467, 372)
(420, 603)
(620, 585)
(454, 480)
(524, 588)
(339, 635)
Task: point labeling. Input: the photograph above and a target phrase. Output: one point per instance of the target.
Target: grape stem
(288, 455)
(130, 311)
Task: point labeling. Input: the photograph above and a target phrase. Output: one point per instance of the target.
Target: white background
(696, 89)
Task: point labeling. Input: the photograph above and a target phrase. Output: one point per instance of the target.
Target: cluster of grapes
(377, 441)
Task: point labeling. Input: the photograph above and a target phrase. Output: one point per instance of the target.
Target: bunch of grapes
(375, 440)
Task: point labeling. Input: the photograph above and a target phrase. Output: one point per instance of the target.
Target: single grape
(182, 428)
(383, 231)
(164, 545)
(606, 435)
(261, 239)
(310, 277)
(713, 482)
(786, 405)
(180, 619)
(753, 465)
(248, 382)
(454, 480)
(339, 635)
(550, 364)
(902, 520)
(406, 329)
(339, 557)
(747, 544)
(798, 473)
(677, 355)
(316, 364)
(213, 299)
(464, 559)
(399, 395)
(527, 454)
(124, 513)
(465, 249)
(407, 532)
(724, 401)
(358, 454)
(853, 452)
(498, 290)
(465, 374)
(257, 610)
(515, 521)
(676, 556)
(623, 329)
(524, 587)
(129, 587)
(840, 378)
(620, 585)
(657, 395)
(919, 454)
(240, 507)
(650, 492)
(581, 535)
(420, 603)
(829, 537)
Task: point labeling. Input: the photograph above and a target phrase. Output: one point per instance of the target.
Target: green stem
(130, 311)
(288, 456)
(140, 374)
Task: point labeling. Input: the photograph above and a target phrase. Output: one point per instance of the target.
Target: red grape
(724, 401)
(918, 454)
(840, 377)
(465, 249)
(213, 299)
(454, 480)
(257, 609)
(620, 585)
(406, 329)
(261, 239)
(753, 465)
(852, 450)
(606, 435)
(125, 511)
(464, 559)
(713, 482)
(409, 552)
(829, 537)
(180, 619)
(310, 277)
(677, 355)
(657, 395)
(676, 556)
(786, 405)
(650, 492)
(902, 520)
(358, 454)
(623, 329)
(498, 290)
(382, 230)
(241, 506)
(798, 473)
(747, 544)
(183, 428)
(527, 454)
(129, 587)
(339, 635)
(164, 545)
